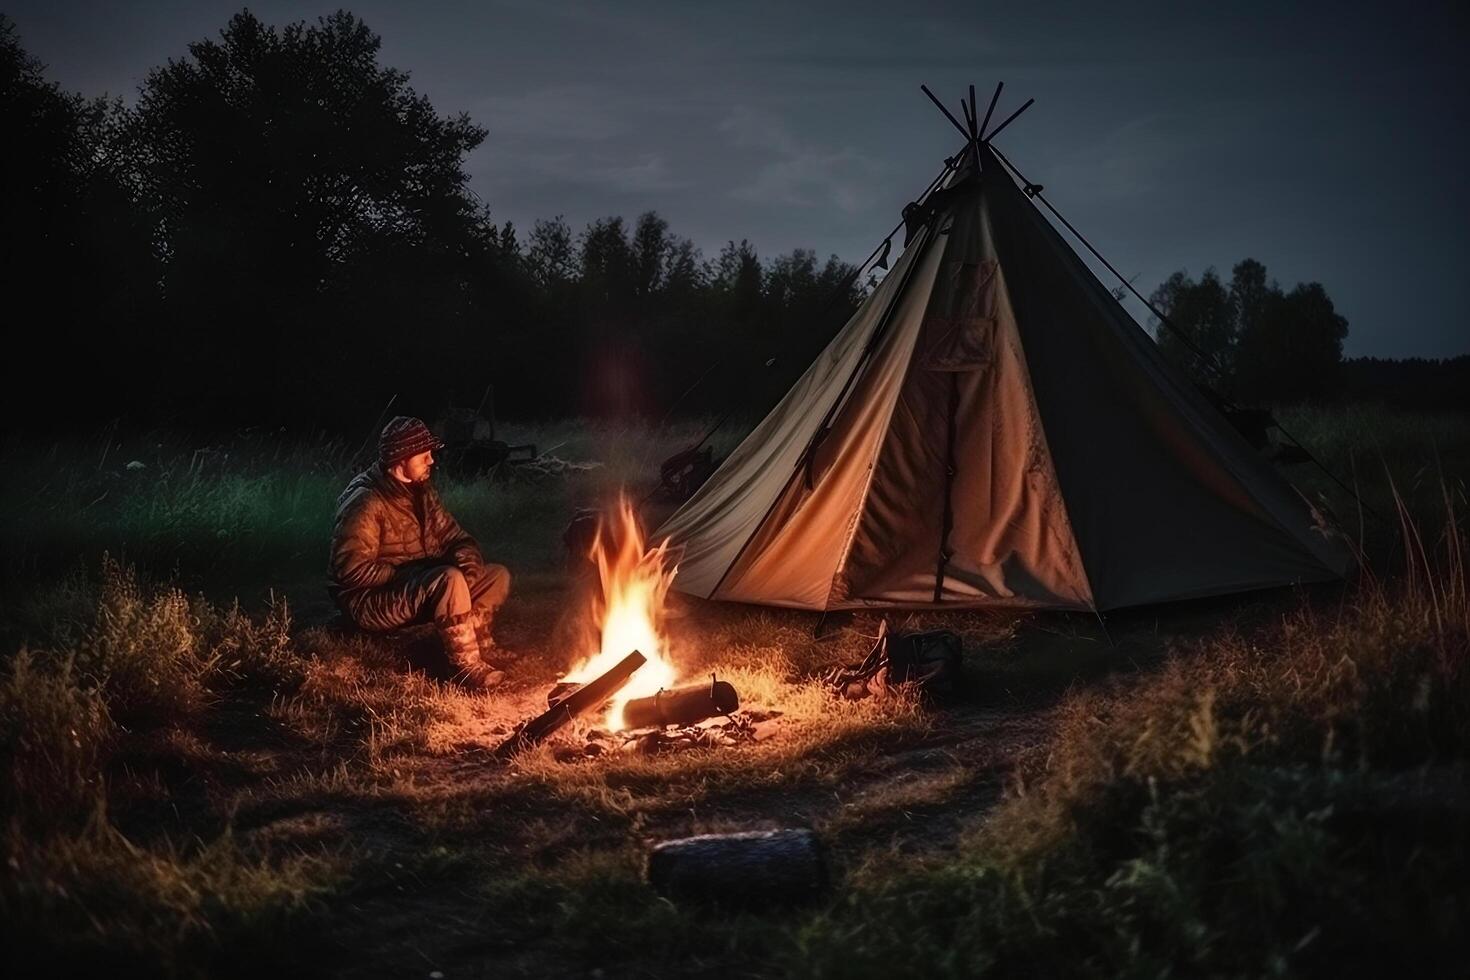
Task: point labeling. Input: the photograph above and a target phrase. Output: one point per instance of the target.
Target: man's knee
(447, 578)
(491, 586)
(449, 591)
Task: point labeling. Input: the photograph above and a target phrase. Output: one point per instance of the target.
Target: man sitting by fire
(399, 557)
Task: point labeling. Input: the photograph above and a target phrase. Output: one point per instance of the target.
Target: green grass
(79, 720)
(1379, 454)
(198, 786)
(256, 514)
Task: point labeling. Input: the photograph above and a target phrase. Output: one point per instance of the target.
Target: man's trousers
(422, 592)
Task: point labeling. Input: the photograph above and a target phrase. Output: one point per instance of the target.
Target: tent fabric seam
(1263, 514)
(930, 241)
(864, 361)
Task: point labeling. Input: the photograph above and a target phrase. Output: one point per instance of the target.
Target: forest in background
(279, 233)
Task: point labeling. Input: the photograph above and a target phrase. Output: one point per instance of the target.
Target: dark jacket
(383, 523)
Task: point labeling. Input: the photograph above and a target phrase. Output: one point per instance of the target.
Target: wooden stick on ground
(584, 698)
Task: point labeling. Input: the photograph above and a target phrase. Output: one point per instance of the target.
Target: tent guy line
(1034, 191)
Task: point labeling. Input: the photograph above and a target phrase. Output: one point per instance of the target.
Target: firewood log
(755, 867)
(584, 698)
(682, 705)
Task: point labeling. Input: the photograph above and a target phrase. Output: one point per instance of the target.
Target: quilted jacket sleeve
(355, 561)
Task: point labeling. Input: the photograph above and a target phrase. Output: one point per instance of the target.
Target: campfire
(631, 671)
(635, 580)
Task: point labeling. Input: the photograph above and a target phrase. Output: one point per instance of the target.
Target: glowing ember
(634, 583)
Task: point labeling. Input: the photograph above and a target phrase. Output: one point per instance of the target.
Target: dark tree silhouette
(1202, 312)
(308, 204)
(550, 255)
(1261, 344)
(651, 248)
(1293, 351)
(1251, 295)
(607, 276)
(75, 255)
(1412, 382)
(281, 232)
(737, 278)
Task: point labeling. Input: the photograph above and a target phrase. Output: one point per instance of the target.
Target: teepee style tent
(991, 428)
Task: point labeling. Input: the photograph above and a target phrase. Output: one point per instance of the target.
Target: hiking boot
(482, 621)
(463, 651)
(492, 659)
(479, 677)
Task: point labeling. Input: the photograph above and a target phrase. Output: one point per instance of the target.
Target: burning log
(588, 696)
(754, 867)
(682, 705)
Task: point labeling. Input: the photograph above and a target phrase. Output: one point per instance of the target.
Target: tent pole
(993, 100)
(1009, 119)
(971, 114)
(947, 114)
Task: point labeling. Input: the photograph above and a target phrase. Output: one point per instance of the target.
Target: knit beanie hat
(404, 437)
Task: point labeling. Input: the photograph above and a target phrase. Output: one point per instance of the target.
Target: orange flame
(630, 610)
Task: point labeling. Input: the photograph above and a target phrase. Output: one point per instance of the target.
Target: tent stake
(1104, 624)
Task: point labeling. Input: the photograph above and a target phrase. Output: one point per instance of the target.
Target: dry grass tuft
(55, 732)
(78, 721)
(94, 901)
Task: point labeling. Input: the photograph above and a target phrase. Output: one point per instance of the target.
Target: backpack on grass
(926, 662)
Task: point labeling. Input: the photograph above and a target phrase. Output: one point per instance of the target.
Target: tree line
(1253, 342)
(280, 232)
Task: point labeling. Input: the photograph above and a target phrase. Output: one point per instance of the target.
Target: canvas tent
(991, 428)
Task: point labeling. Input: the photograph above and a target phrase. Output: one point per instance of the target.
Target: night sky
(1327, 140)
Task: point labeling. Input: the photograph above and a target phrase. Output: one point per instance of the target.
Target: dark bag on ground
(927, 663)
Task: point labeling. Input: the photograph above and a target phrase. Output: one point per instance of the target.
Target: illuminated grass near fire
(813, 738)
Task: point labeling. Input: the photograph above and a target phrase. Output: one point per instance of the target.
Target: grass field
(202, 777)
